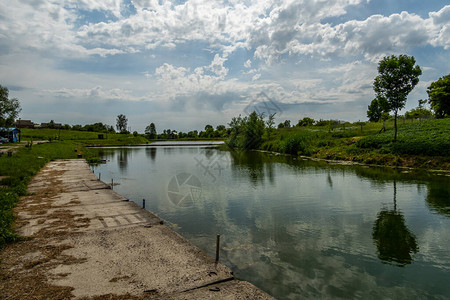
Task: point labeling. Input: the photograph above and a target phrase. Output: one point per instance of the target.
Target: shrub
(294, 144)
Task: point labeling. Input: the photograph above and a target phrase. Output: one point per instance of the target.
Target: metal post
(99, 176)
(217, 248)
(143, 203)
(112, 183)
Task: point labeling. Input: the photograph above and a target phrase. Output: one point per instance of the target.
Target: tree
(419, 112)
(439, 96)
(376, 108)
(9, 108)
(270, 125)
(121, 123)
(397, 78)
(208, 127)
(253, 131)
(150, 131)
(306, 121)
(287, 124)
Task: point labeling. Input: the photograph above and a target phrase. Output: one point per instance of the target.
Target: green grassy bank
(421, 144)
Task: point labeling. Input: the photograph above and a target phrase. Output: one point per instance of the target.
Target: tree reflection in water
(395, 243)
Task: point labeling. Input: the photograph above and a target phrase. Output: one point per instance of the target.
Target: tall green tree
(270, 125)
(253, 131)
(150, 131)
(121, 123)
(439, 96)
(398, 75)
(9, 108)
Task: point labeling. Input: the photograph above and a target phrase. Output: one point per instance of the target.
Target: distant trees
(306, 121)
(397, 78)
(285, 124)
(439, 96)
(96, 127)
(121, 123)
(150, 131)
(9, 108)
(419, 112)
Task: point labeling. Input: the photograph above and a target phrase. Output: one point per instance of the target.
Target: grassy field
(423, 144)
(84, 137)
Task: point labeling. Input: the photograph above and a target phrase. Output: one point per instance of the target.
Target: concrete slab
(135, 260)
(231, 290)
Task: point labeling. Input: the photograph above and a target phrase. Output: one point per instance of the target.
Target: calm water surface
(294, 228)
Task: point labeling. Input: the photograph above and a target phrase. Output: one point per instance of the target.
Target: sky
(184, 64)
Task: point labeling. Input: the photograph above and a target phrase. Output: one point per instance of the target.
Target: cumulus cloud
(270, 29)
(200, 49)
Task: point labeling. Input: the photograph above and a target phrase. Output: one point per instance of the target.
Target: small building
(12, 134)
(24, 124)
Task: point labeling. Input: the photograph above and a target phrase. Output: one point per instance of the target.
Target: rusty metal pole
(217, 248)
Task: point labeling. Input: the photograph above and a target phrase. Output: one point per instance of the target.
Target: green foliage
(253, 130)
(418, 113)
(9, 108)
(150, 131)
(306, 121)
(377, 108)
(439, 96)
(430, 138)
(247, 132)
(121, 123)
(294, 144)
(397, 78)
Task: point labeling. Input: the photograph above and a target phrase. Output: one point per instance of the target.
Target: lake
(298, 228)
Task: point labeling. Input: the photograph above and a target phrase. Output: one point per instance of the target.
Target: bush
(294, 145)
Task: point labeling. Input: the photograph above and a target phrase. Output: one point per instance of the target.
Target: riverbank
(83, 240)
(423, 145)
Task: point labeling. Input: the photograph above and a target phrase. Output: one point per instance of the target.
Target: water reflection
(395, 243)
(150, 152)
(257, 166)
(438, 197)
(122, 159)
(304, 229)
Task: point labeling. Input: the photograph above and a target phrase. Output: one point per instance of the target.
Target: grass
(431, 138)
(424, 144)
(85, 137)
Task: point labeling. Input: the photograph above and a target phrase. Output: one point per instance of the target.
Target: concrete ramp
(88, 241)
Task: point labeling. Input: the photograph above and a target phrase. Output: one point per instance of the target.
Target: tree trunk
(395, 126)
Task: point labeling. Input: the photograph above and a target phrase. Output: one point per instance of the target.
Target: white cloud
(74, 50)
